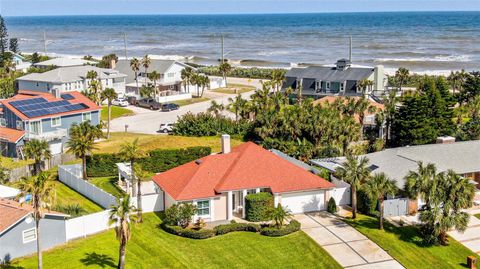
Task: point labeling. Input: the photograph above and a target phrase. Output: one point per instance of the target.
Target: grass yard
(190, 101)
(477, 216)
(9, 163)
(117, 112)
(404, 244)
(149, 142)
(234, 89)
(151, 247)
(108, 184)
(67, 196)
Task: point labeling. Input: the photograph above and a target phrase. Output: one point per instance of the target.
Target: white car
(120, 102)
(166, 128)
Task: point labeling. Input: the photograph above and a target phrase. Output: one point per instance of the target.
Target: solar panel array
(38, 107)
(67, 96)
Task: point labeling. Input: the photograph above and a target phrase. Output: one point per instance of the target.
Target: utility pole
(44, 43)
(350, 51)
(125, 44)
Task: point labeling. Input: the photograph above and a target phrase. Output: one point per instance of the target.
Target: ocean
(420, 41)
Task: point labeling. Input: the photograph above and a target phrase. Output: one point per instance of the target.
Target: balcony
(48, 136)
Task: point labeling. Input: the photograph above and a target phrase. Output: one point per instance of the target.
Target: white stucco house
(74, 78)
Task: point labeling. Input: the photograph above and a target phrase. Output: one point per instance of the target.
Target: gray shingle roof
(331, 73)
(461, 157)
(64, 62)
(71, 74)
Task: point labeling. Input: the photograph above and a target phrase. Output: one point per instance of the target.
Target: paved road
(347, 246)
(148, 122)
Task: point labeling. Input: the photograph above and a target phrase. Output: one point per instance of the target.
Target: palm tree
(362, 105)
(377, 188)
(109, 94)
(42, 191)
(365, 85)
(135, 65)
(225, 68)
(355, 172)
(146, 61)
(237, 105)
(401, 76)
(422, 183)
(279, 215)
(38, 150)
(390, 103)
(154, 76)
(186, 75)
(278, 76)
(131, 152)
(122, 216)
(204, 83)
(215, 108)
(82, 142)
(95, 87)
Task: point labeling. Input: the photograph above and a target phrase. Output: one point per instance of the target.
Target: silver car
(166, 128)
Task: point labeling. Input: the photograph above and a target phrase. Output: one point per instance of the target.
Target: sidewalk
(347, 246)
(471, 237)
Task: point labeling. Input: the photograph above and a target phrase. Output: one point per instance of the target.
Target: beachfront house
(37, 115)
(73, 78)
(219, 183)
(341, 79)
(18, 235)
(20, 63)
(63, 62)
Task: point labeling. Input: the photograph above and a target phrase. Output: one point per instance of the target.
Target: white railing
(48, 136)
(87, 225)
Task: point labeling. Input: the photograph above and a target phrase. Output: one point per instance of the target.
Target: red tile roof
(12, 212)
(11, 135)
(24, 94)
(248, 166)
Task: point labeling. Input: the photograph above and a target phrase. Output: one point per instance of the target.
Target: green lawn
(108, 184)
(149, 142)
(9, 163)
(151, 247)
(190, 101)
(117, 112)
(477, 216)
(404, 244)
(67, 196)
(234, 89)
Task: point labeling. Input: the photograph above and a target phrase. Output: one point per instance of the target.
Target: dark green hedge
(292, 227)
(236, 227)
(258, 206)
(206, 124)
(332, 206)
(103, 165)
(188, 233)
(365, 204)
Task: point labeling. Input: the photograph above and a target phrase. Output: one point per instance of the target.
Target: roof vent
(198, 161)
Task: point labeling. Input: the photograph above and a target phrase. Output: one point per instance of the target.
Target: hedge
(242, 72)
(103, 165)
(188, 233)
(292, 227)
(258, 206)
(332, 206)
(236, 227)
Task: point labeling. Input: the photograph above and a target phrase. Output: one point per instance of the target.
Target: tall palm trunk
(380, 221)
(84, 167)
(109, 119)
(121, 254)
(39, 249)
(354, 202)
(139, 201)
(134, 188)
(136, 81)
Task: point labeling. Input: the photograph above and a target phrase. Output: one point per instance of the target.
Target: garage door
(304, 201)
(56, 147)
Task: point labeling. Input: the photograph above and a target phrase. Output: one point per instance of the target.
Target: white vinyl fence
(341, 193)
(150, 202)
(87, 225)
(71, 175)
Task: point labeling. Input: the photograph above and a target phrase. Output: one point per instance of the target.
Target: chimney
(226, 144)
(113, 64)
(445, 140)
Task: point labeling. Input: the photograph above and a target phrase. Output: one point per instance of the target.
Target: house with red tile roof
(18, 234)
(218, 183)
(37, 115)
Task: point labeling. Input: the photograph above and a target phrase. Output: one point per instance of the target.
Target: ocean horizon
(421, 41)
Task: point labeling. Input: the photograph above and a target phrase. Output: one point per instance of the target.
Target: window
(203, 208)
(19, 125)
(342, 86)
(3, 122)
(170, 75)
(56, 121)
(86, 116)
(328, 85)
(29, 235)
(35, 127)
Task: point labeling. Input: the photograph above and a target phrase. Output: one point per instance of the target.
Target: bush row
(292, 227)
(188, 233)
(239, 72)
(103, 165)
(258, 206)
(236, 227)
(205, 124)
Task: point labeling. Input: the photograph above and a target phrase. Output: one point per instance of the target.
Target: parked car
(149, 103)
(169, 107)
(120, 102)
(166, 128)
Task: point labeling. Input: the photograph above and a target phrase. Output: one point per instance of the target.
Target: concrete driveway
(471, 237)
(148, 122)
(347, 246)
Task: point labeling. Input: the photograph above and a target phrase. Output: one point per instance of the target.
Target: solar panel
(67, 96)
(37, 107)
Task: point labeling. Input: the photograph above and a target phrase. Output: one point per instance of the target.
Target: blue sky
(101, 7)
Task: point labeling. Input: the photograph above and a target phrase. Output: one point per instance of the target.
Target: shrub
(253, 72)
(332, 206)
(365, 204)
(103, 165)
(180, 214)
(205, 124)
(236, 227)
(188, 233)
(292, 227)
(199, 224)
(258, 206)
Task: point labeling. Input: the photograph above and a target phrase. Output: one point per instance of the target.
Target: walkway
(347, 246)
(471, 237)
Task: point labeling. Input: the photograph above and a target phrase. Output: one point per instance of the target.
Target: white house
(20, 63)
(63, 62)
(66, 79)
